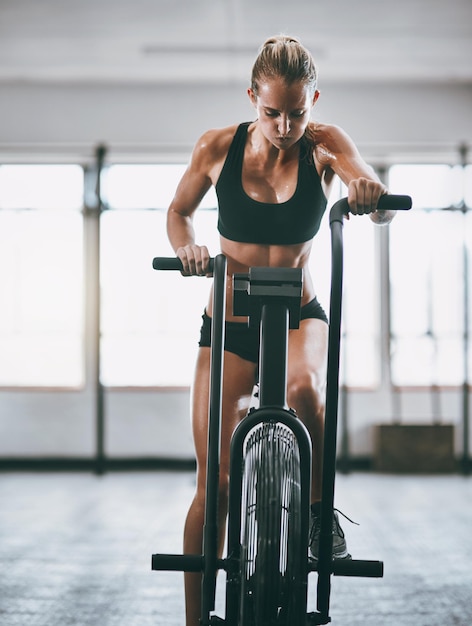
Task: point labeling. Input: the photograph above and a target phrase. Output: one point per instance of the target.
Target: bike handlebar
(173, 263)
(387, 202)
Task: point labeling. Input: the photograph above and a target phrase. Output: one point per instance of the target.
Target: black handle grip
(365, 569)
(387, 202)
(173, 263)
(393, 202)
(167, 263)
(177, 562)
(351, 567)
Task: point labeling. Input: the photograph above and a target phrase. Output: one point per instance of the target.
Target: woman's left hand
(363, 195)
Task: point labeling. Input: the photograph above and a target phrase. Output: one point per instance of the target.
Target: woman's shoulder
(327, 134)
(216, 141)
(329, 140)
(211, 149)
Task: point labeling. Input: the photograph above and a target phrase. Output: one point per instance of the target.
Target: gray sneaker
(339, 542)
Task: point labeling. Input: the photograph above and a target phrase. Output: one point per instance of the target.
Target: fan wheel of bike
(271, 567)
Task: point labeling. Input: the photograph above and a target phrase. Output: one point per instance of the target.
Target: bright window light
(430, 186)
(468, 186)
(146, 186)
(41, 253)
(427, 281)
(57, 187)
(150, 319)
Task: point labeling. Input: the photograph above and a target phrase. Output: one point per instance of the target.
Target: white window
(150, 320)
(427, 274)
(41, 275)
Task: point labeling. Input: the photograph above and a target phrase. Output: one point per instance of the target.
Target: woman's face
(283, 111)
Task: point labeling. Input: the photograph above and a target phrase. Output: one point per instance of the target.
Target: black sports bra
(243, 219)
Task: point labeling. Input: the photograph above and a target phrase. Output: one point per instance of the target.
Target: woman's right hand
(195, 260)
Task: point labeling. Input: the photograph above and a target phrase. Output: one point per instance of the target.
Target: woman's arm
(192, 187)
(338, 151)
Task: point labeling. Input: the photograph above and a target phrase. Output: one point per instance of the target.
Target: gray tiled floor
(75, 550)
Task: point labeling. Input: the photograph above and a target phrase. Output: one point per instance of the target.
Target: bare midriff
(241, 256)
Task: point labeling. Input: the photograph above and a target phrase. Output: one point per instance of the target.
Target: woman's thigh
(238, 384)
(307, 355)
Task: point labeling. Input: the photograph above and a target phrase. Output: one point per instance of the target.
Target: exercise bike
(267, 564)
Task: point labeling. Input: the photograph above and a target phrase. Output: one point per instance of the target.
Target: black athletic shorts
(243, 340)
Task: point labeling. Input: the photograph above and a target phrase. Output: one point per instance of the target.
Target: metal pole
(331, 420)
(99, 390)
(463, 151)
(273, 357)
(465, 384)
(210, 528)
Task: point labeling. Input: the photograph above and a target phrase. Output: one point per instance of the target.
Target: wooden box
(414, 448)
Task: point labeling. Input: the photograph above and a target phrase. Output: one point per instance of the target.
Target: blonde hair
(284, 57)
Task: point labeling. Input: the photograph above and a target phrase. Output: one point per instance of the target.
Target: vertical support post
(99, 390)
(273, 355)
(344, 463)
(331, 420)
(385, 300)
(465, 384)
(463, 151)
(210, 529)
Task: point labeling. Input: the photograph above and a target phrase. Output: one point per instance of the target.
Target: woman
(272, 177)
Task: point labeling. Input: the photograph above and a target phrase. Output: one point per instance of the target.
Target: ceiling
(185, 41)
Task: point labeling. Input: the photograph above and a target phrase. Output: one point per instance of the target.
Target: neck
(266, 150)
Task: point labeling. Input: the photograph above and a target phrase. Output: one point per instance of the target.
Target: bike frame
(271, 298)
(271, 301)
